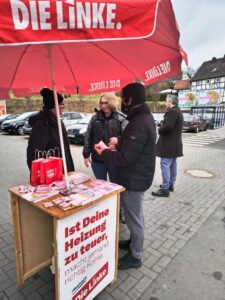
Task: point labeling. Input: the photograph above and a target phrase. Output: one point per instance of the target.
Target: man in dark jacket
(134, 161)
(169, 146)
(45, 133)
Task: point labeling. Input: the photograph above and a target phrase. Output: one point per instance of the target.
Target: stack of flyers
(85, 197)
(96, 183)
(106, 187)
(82, 187)
(59, 185)
(66, 205)
(79, 178)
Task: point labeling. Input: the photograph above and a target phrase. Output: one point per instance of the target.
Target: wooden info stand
(80, 243)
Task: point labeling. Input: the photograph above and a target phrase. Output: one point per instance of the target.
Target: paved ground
(184, 255)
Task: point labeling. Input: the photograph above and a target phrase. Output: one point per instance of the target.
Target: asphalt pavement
(184, 250)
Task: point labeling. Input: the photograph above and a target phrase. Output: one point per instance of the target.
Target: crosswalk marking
(201, 140)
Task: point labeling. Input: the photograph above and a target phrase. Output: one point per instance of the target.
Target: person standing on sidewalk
(106, 125)
(45, 133)
(134, 163)
(169, 145)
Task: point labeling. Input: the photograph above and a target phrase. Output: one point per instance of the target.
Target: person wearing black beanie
(48, 98)
(45, 133)
(134, 163)
(133, 95)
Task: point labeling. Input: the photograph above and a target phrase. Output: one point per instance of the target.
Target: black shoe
(161, 193)
(129, 261)
(171, 187)
(125, 245)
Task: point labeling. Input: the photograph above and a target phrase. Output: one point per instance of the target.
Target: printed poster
(86, 250)
(209, 97)
(187, 98)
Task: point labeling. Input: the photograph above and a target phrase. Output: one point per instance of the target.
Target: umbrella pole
(58, 115)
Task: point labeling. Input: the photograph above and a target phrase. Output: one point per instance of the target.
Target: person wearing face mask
(169, 145)
(45, 133)
(134, 163)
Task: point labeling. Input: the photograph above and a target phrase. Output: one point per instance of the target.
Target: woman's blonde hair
(111, 99)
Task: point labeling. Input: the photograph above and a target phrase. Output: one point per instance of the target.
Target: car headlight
(82, 130)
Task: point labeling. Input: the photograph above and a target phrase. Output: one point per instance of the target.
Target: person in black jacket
(107, 126)
(169, 146)
(45, 134)
(134, 163)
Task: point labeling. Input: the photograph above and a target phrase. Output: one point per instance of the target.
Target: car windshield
(85, 120)
(2, 117)
(188, 118)
(24, 115)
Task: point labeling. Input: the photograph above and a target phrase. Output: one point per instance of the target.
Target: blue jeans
(101, 169)
(169, 171)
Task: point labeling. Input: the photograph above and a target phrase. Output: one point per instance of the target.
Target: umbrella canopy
(94, 46)
(85, 46)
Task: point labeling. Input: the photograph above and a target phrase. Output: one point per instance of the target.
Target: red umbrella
(86, 46)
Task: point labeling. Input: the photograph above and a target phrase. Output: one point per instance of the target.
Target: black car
(15, 126)
(194, 123)
(6, 117)
(76, 132)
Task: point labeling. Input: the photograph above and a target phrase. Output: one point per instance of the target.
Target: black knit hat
(48, 98)
(133, 94)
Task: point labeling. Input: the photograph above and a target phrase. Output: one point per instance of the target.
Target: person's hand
(87, 161)
(112, 147)
(113, 141)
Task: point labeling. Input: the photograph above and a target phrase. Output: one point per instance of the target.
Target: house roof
(210, 69)
(182, 85)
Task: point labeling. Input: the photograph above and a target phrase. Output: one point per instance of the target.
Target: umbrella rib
(67, 61)
(18, 64)
(160, 44)
(113, 57)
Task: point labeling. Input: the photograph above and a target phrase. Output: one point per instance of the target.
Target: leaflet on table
(41, 192)
(79, 178)
(105, 187)
(80, 194)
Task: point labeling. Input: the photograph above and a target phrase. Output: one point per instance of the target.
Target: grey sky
(202, 29)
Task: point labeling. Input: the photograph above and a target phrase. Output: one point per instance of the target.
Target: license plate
(71, 135)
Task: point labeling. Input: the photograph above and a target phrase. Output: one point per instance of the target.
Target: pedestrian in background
(45, 133)
(134, 163)
(106, 125)
(169, 145)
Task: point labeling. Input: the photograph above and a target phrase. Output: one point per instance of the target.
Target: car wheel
(206, 127)
(20, 130)
(197, 129)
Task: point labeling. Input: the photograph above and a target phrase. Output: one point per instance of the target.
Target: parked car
(15, 126)
(6, 117)
(194, 123)
(71, 117)
(76, 133)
